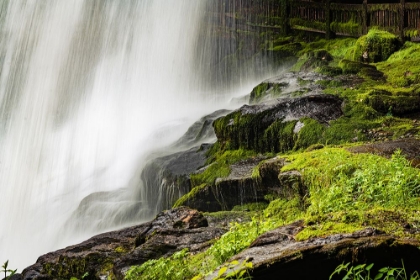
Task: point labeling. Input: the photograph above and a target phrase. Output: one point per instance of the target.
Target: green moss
(285, 210)
(350, 27)
(220, 168)
(279, 136)
(182, 201)
(121, 250)
(402, 69)
(257, 206)
(299, 23)
(379, 44)
(311, 133)
(325, 229)
(259, 92)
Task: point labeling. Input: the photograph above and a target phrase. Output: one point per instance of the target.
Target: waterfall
(87, 89)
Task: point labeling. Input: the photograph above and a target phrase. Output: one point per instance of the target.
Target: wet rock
(243, 187)
(166, 177)
(278, 253)
(268, 127)
(112, 253)
(285, 86)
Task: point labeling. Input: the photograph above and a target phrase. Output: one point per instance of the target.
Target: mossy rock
(378, 44)
(266, 90)
(363, 69)
(330, 70)
(314, 60)
(271, 128)
(393, 104)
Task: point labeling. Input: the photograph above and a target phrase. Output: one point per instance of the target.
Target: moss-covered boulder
(398, 104)
(378, 46)
(277, 127)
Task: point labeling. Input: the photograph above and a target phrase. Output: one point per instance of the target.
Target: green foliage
(363, 272)
(285, 210)
(341, 181)
(174, 267)
(238, 238)
(235, 270)
(7, 272)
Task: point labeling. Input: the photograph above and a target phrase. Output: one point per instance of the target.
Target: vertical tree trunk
(402, 19)
(365, 18)
(327, 9)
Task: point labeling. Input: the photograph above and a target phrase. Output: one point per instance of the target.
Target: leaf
(235, 262)
(378, 276)
(369, 267)
(222, 271)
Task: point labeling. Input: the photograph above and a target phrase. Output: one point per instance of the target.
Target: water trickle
(87, 89)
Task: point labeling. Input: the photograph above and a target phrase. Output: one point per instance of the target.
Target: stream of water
(87, 89)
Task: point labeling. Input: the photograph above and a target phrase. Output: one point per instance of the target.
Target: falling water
(87, 88)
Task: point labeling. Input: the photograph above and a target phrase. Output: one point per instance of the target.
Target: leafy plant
(7, 271)
(363, 272)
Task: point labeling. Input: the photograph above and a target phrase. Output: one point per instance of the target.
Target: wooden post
(365, 18)
(285, 17)
(327, 10)
(402, 19)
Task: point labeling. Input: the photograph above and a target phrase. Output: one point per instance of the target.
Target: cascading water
(87, 88)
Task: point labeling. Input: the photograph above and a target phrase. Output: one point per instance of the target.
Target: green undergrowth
(365, 272)
(351, 191)
(347, 192)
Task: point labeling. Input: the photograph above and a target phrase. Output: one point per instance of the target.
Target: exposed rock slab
(114, 252)
(241, 187)
(277, 253)
(410, 148)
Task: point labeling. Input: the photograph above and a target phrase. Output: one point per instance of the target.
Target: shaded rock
(112, 253)
(243, 187)
(268, 127)
(410, 148)
(166, 177)
(278, 253)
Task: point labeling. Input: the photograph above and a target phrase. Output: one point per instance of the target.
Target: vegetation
(7, 272)
(347, 191)
(363, 272)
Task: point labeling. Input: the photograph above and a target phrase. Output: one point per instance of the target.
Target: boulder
(111, 254)
(270, 126)
(250, 181)
(410, 148)
(277, 253)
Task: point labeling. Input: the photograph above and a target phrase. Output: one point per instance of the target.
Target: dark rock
(166, 177)
(242, 187)
(278, 253)
(112, 253)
